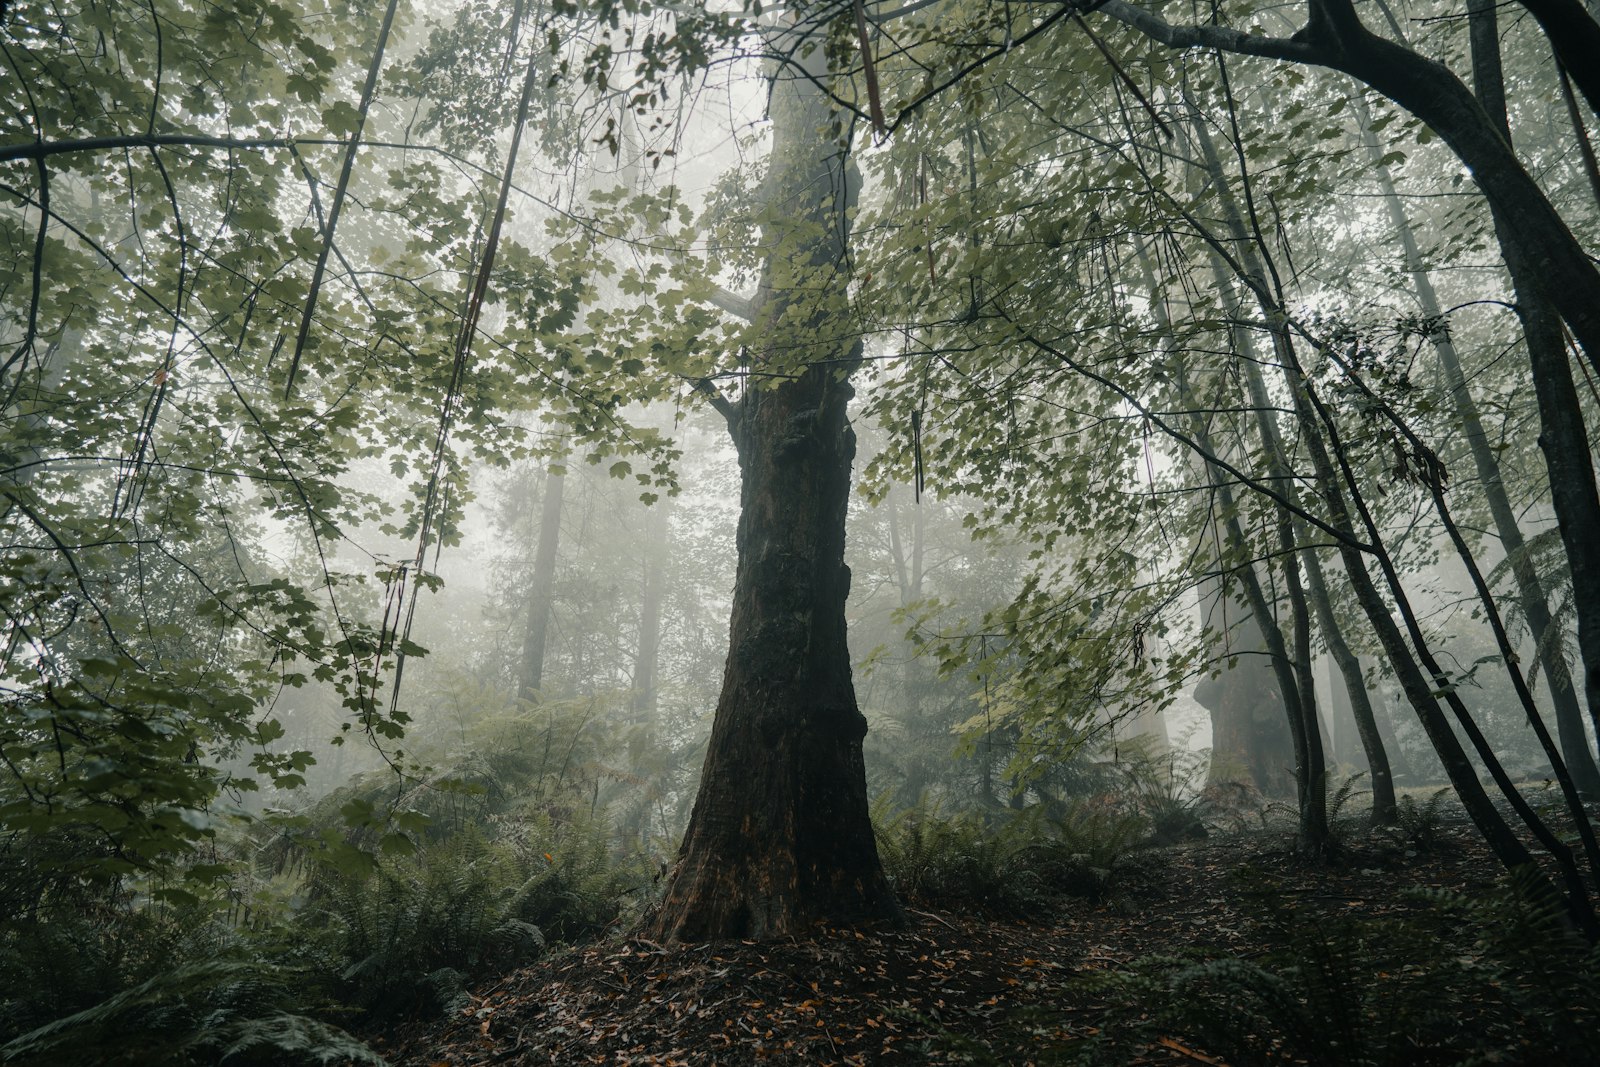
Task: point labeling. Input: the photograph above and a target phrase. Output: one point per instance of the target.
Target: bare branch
(740, 307)
(724, 407)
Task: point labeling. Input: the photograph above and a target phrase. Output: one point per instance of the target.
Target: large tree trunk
(780, 836)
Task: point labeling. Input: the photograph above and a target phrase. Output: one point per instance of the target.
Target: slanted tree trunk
(535, 637)
(1251, 736)
(1255, 705)
(1563, 437)
(1297, 683)
(1497, 833)
(780, 835)
(1335, 37)
(1530, 591)
(1550, 269)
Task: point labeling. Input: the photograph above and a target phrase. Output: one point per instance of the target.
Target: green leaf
(342, 119)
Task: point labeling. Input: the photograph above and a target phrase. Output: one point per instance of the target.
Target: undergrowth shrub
(954, 861)
(1496, 978)
(1164, 791)
(1086, 850)
(137, 973)
(578, 887)
(63, 959)
(238, 1009)
(1341, 820)
(1419, 824)
(1008, 864)
(410, 933)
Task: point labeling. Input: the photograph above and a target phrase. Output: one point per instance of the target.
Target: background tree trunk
(530, 677)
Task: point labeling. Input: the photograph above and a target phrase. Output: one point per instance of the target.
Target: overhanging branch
(1226, 38)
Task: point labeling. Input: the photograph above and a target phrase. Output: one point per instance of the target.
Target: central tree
(780, 836)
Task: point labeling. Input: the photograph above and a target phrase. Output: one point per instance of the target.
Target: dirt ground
(944, 989)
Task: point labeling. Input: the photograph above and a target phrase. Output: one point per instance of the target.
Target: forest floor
(945, 989)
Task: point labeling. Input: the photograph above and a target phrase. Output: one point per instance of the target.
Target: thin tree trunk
(1242, 737)
(1334, 483)
(1334, 37)
(643, 740)
(913, 684)
(1384, 811)
(643, 702)
(1314, 419)
(1507, 848)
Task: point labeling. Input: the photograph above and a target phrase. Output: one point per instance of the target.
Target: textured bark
(1575, 36)
(780, 836)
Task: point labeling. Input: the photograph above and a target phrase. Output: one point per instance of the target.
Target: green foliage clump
(955, 861)
(63, 960)
(1007, 865)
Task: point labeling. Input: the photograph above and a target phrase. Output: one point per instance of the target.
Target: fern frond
(303, 1039)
